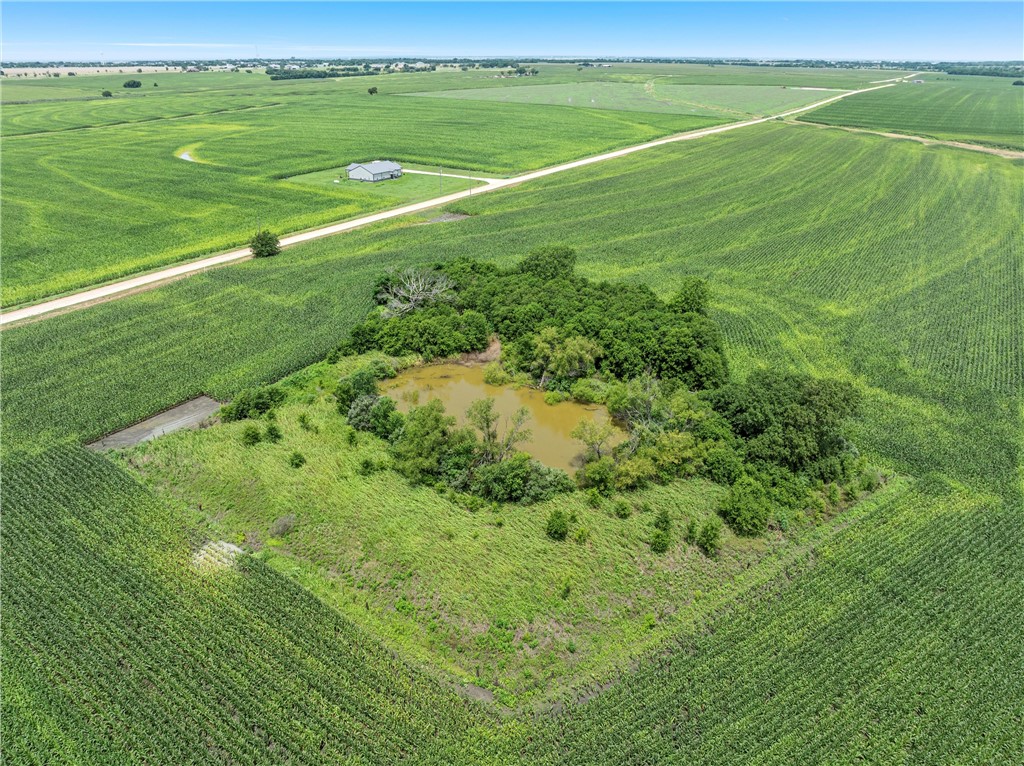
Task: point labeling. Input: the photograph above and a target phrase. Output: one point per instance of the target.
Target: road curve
(145, 281)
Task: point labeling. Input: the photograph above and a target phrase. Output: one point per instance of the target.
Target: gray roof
(377, 166)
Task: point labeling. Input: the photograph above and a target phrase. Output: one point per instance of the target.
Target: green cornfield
(891, 638)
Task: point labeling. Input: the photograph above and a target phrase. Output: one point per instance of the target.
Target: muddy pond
(458, 386)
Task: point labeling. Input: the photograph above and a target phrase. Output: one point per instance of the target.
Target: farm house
(380, 170)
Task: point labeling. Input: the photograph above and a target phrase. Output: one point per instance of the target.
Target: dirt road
(135, 284)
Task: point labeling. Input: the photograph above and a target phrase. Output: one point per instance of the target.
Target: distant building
(918, 82)
(380, 170)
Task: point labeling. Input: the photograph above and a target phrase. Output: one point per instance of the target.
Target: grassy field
(91, 205)
(982, 110)
(537, 616)
(888, 263)
(657, 95)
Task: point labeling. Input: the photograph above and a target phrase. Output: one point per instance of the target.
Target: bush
(419, 451)
(107, 94)
(385, 421)
(251, 435)
(691, 531)
(381, 370)
(273, 433)
(722, 465)
(581, 536)
(556, 397)
(558, 525)
(282, 526)
(598, 475)
(659, 541)
(587, 391)
(622, 509)
(265, 244)
(519, 479)
(297, 460)
(252, 402)
(132, 84)
(359, 412)
(746, 508)
(305, 424)
(359, 383)
(495, 375)
(709, 538)
(663, 521)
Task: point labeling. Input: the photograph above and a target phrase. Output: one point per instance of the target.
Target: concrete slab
(190, 414)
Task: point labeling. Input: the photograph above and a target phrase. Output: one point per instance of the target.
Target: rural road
(152, 279)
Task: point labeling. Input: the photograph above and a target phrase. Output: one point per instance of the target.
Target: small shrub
(746, 508)
(251, 435)
(359, 413)
(297, 460)
(305, 424)
(691, 532)
(555, 397)
(252, 402)
(582, 535)
(663, 521)
(282, 526)
(495, 375)
(622, 509)
(381, 370)
(566, 590)
(107, 94)
(659, 541)
(594, 499)
(132, 84)
(709, 538)
(558, 525)
(599, 475)
(273, 433)
(588, 391)
(367, 467)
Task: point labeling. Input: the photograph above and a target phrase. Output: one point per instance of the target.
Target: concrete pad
(187, 415)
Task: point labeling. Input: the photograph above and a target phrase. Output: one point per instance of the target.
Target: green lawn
(982, 110)
(893, 640)
(659, 95)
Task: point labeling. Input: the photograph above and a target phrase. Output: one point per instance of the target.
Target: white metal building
(379, 170)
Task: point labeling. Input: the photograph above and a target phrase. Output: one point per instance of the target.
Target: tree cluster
(776, 440)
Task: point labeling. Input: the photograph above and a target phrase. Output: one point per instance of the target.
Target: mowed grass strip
(982, 110)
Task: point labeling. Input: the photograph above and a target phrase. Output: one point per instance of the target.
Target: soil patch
(445, 217)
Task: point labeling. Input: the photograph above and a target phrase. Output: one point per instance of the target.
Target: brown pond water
(458, 386)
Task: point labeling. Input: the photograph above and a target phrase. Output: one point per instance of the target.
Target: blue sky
(834, 30)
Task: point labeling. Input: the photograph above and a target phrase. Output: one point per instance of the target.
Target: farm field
(82, 207)
(893, 265)
(982, 110)
(653, 96)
